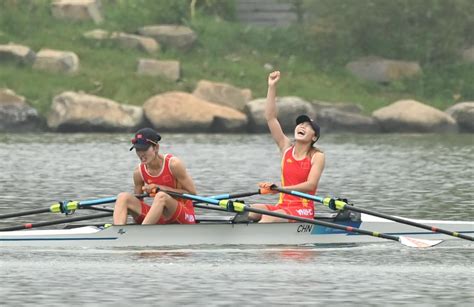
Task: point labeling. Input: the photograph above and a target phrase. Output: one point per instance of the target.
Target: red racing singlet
(294, 172)
(165, 178)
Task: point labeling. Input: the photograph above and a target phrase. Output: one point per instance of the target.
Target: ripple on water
(420, 176)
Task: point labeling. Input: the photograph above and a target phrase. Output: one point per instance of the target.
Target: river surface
(416, 176)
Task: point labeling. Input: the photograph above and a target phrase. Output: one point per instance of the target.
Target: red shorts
(183, 214)
(295, 210)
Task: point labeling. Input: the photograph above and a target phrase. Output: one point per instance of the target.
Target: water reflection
(291, 254)
(159, 255)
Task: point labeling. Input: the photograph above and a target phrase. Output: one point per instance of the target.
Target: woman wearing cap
(301, 165)
(156, 171)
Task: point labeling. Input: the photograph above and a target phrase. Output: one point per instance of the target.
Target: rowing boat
(224, 230)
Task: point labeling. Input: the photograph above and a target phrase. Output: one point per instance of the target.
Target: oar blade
(418, 243)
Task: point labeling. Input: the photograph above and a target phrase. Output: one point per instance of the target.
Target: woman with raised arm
(301, 166)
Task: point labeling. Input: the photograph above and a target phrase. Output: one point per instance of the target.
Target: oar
(99, 209)
(340, 205)
(67, 206)
(73, 205)
(64, 207)
(23, 213)
(56, 222)
(236, 195)
(234, 206)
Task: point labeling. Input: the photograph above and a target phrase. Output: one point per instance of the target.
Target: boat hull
(225, 233)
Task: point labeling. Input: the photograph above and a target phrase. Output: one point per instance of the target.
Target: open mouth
(302, 133)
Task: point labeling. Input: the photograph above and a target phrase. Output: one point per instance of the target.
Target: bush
(428, 31)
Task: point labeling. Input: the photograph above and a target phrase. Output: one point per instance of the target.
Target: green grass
(225, 52)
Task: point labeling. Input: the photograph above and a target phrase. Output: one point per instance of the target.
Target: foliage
(311, 55)
(220, 8)
(428, 31)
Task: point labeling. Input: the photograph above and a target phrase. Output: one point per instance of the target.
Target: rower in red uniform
(156, 171)
(301, 166)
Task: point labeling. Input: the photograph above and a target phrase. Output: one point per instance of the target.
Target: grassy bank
(225, 52)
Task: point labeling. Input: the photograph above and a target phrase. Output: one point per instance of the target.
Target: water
(419, 176)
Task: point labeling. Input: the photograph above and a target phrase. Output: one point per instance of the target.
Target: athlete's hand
(273, 78)
(151, 189)
(266, 188)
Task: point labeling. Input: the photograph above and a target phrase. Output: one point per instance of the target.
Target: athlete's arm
(282, 141)
(311, 183)
(185, 183)
(137, 181)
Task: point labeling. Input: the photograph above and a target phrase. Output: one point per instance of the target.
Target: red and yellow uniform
(294, 172)
(184, 213)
